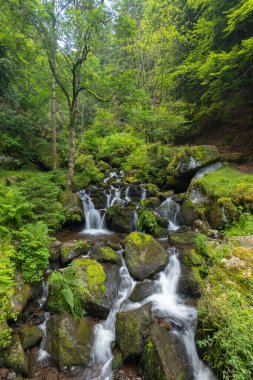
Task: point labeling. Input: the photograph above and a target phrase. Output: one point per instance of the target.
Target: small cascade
(94, 219)
(43, 354)
(104, 333)
(127, 196)
(143, 193)
(169, 210)
(168, 304)
(114, 197)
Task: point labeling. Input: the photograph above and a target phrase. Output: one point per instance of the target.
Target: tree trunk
(71, 164)
(54, 125)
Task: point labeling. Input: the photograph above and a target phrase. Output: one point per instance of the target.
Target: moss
(15, 358)
(94, 274)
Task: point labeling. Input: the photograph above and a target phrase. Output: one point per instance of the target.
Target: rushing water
(167, 303)
(169, 210)
(43, 354)
(104, 333)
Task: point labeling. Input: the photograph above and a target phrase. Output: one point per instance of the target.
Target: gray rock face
(163, 356)
(142, 290)
(123, 219)
(29, 335)
(131, 330)
(69, 340)
(144, 255)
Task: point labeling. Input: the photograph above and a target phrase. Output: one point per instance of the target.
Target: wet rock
(69, 341)
(14, 357)
(117, 362)
(72, 250)
(122, 219)
(98, 198)
(131, 330)
(29, 335)
(55, 250)
(163, 356)
(182, 238)
(152, 202)
(23, 293)
(233, 157)
(179, 198)
(142, 290)
(73, 208)
(4, 373)
(166, 194)
(144, 255)
(105, 255)
(135, 192)
(187, 215)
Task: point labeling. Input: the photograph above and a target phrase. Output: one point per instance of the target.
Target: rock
(144, 255)
(187, 215)
(73, 208)
(131, 330)
(152, 202)
(23, 293)
(234, 157)
(164, 195)
(73, 249)
(29, 335)
(142, 290)
(163, 357)
(105, 255)
(14, 357)
(10, 163)
(135, 192)
(55, 250)
(122, 218)
(117, 362)
(69, 341)
(179, 198)
(98, 198)
(12, 180)
(187, 160)
(4, 373)
(182, 238)
(114, 246)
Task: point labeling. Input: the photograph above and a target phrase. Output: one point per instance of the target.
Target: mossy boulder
(142, 290)
(131, 331)
(182, 238)
(5, 332)
(105, 255)
(122, 219)
(55, 250)
(69, 340)
(163, 357)
(73, 208)
(187, 215)
(30, 335)
(144, 255)
(23, 293)
(14, 357)
(187, 160)
(151, 202)
(73, 249)
(117, 362)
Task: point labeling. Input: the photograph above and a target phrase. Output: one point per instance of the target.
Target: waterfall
(143, 192)
(104, 333)
(208, 169)
(94, 219)
(127, 196)
(168, 304)
(43, 354)
(169, 210)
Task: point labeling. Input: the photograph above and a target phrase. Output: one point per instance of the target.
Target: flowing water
(43, 354)
(104, 333)
(169, 210)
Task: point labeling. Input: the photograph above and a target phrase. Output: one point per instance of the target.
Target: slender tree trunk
(71, 164)
(54, 125)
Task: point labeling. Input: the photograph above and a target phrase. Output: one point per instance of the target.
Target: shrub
(147, 222)
(201, 245)
(242, 226)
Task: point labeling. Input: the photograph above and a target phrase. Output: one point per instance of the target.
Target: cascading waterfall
(104, 333)
(43, 354)
(169, 210)
(168, 304)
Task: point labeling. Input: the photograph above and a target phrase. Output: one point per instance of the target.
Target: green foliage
(242, 226)
(32, 255)
(147, 222)
(70, 292)
(201, 245)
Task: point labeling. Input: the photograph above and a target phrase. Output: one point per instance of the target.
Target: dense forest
(126, 152)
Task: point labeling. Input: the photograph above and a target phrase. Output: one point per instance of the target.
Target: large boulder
(182, 238)
(30, 335)
(122, 219)
(187, 160)
(73, 249)
(14, 357)
(142, 290)
(163, 357)
(69, 340)
(131, 330)
(105, 255)
(73, 208)
(144, 255)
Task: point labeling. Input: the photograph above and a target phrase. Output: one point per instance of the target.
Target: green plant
(202, 245)
(147, 222)
(32, 255)
(242, 226)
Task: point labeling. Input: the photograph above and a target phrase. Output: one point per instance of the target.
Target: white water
(169, 210)
(208, 169)
(168, 304)
(43, 354)
(104, 333)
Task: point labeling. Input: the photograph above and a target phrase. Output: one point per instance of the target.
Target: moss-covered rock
(144, 255)
(142, 290)
(105, 255)
(187, 215)
(55, 250)
(30, 335)
(117, 362)
(73, 249)
(163, 357)
(122, 219)
(182, 238)
(73, 208)
(187, 160)
(69, 340)
(151, 202)
(14, 357)
(5, 332)
(131, 330)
